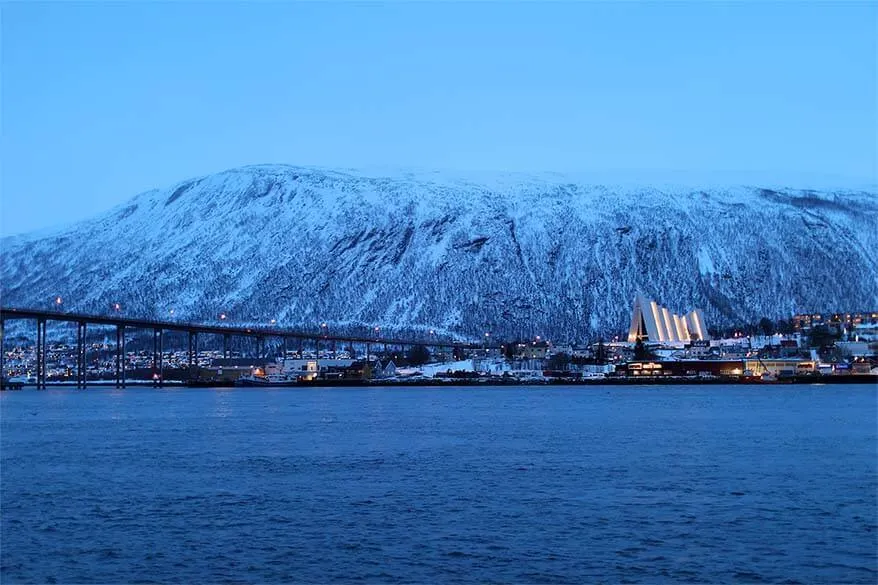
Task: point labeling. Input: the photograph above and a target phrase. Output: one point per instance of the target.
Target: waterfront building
(655, 323)
(725, 368)
(682, 368)
(780, 367)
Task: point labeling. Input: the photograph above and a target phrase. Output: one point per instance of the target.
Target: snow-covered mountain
(511, 254)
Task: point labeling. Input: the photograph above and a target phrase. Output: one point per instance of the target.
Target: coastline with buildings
(661, 347)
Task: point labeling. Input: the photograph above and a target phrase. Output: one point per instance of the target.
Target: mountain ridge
(514, 254)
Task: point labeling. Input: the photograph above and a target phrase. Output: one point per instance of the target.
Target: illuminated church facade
(655, 323)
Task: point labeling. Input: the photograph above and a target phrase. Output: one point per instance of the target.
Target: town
(660, 347)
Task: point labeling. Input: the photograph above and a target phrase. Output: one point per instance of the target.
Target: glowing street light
(273, 321)
(58, 301)
(117, 307)
(222, 316)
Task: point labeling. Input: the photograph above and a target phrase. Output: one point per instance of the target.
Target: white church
(655, 323)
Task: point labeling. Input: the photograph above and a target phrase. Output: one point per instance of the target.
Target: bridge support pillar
(118, 356)
(161, 358)
(157, 365)
(193, 352)
(81, 362)
(41, 354)
(317, 354)
(124, 356)
(2, 350)
(226, 346)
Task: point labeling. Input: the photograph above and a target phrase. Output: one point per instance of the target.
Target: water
(452, 485)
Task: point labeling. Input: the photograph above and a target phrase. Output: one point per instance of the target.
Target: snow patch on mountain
(705, 263)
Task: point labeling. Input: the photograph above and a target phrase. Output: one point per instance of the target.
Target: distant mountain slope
(513, 255)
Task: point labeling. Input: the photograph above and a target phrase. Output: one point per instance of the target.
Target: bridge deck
(247, 331)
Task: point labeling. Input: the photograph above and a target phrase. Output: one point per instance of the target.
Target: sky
(101, 101)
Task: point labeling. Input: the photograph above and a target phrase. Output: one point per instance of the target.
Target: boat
(14, 383)
(267, 380)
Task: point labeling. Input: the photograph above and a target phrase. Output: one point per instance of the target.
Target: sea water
(453, 485)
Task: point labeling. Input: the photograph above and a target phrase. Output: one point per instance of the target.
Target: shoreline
(485, 382)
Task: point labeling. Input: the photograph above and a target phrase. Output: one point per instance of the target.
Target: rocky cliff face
(514, 255)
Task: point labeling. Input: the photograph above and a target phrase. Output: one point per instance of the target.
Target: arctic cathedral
(652, 322)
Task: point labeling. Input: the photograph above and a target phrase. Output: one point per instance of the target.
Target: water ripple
(558, 485)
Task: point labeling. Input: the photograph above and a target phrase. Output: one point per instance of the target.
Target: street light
(222, 316)
(58, 301)
(117, 307)
(274, 321)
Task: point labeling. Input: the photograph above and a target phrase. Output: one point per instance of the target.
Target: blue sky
(101, 101)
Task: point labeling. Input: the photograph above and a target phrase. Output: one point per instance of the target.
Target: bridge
(259, 332)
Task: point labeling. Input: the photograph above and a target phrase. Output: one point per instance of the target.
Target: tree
(641, 352)
(785, 327)
(559, 361)
(418, 355)
(767, 326)
(823, 337)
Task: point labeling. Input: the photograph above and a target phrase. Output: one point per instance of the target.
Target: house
(535, 350)
(358, 370)
(385, 370)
